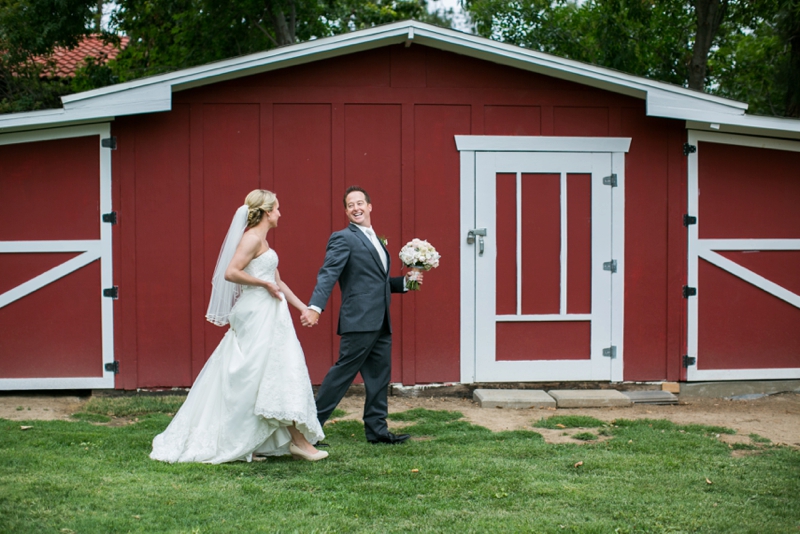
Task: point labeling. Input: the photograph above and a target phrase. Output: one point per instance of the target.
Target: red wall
(384, 119)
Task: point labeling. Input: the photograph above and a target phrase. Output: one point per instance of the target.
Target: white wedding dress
(254, 385)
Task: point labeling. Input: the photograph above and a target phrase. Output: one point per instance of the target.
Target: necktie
(374, 239)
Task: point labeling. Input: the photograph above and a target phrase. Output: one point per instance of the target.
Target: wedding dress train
(254, 385)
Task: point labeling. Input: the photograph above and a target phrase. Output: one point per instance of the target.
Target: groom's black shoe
(321, 444)
(390, 438)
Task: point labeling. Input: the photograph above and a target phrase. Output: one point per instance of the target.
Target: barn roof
(154, 94)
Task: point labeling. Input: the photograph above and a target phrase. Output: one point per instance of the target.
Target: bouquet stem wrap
(418, 255)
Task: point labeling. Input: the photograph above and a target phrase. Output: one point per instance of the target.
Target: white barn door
(55, 254)
(542, 259)
(743, 318)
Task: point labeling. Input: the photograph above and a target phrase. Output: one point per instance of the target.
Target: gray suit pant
(371, 354)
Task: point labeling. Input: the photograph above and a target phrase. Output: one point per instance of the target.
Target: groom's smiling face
(358, 209)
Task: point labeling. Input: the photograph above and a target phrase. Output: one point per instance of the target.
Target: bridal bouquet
(418, 255)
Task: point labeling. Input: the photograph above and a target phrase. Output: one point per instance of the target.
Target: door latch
(480, 233)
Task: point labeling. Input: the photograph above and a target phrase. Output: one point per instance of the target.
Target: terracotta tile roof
(67, 61)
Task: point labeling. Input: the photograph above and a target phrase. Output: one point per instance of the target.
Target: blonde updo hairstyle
(259, 202)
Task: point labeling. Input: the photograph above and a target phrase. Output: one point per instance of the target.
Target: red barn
(564, 199)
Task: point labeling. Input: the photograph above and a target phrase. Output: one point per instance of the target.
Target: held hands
(309, 318)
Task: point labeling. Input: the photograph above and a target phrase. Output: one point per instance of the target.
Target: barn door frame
(90, 250)
(706, 249)
(470, 147)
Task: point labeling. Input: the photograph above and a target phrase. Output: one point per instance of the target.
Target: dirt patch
(776, 417)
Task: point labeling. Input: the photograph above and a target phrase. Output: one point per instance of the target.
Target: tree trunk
(709, 14)
(793, 39)
(283, 34)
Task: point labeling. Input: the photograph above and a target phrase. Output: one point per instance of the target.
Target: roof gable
(154, 94)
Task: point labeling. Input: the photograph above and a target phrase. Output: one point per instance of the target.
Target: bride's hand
(274, 290)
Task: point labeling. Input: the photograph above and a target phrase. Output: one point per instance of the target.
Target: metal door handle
(479, 233)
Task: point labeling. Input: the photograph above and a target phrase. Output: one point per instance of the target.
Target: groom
(357, 259)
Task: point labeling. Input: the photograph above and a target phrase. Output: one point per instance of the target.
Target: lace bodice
(263, 267)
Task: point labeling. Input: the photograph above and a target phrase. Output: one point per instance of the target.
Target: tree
(30, 29)
(168, 35)
(735, 48)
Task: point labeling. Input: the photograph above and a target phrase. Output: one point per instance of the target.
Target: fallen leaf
(559, 425)
(579, 464)
(415, 470)
(708, 481)
(25, 427)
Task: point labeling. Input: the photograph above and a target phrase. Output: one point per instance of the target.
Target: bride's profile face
(274, 215)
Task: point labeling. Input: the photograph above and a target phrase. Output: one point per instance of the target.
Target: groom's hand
(309, 318)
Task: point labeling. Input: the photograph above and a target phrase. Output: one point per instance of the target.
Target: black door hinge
(689, 292)
(112, 292)
(110, 217)
(689, 149)
(109, 142)
(689, 360)
(610, 180)
(689, 219)
(113, 366)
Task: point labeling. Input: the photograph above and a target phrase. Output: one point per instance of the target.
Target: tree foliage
(31, 29)
(167, 35)
(741, 49)
(174, 34)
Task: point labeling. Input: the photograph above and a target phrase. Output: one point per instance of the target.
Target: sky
(459, 20)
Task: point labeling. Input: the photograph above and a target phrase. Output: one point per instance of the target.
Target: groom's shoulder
(344, 232)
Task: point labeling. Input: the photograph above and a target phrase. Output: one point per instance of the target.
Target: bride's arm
(245, 252)
(290, 297)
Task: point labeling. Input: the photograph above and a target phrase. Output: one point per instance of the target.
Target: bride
(253, 396)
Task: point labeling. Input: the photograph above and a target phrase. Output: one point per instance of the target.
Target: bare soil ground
(776, 417)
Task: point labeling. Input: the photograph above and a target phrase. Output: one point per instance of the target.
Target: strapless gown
(253, 386)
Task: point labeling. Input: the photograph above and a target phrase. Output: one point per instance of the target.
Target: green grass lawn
(643, 476)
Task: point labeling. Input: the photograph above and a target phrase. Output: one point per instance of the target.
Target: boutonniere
(384, 240)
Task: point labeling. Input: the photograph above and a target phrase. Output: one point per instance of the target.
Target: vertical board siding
(302, 137)
(162, 283)
(541, 243)
(372, 159)
(579, 243)
(385, 119)
(750, 202)
(64, 184)
(34, 329)
(230, 162)
(506, 264)
(512, 120)
(646, 229)
(738, 319)
(567, 340)
(581, 121)
(437, 220)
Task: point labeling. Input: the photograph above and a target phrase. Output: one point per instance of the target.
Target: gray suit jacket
(366, 288)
